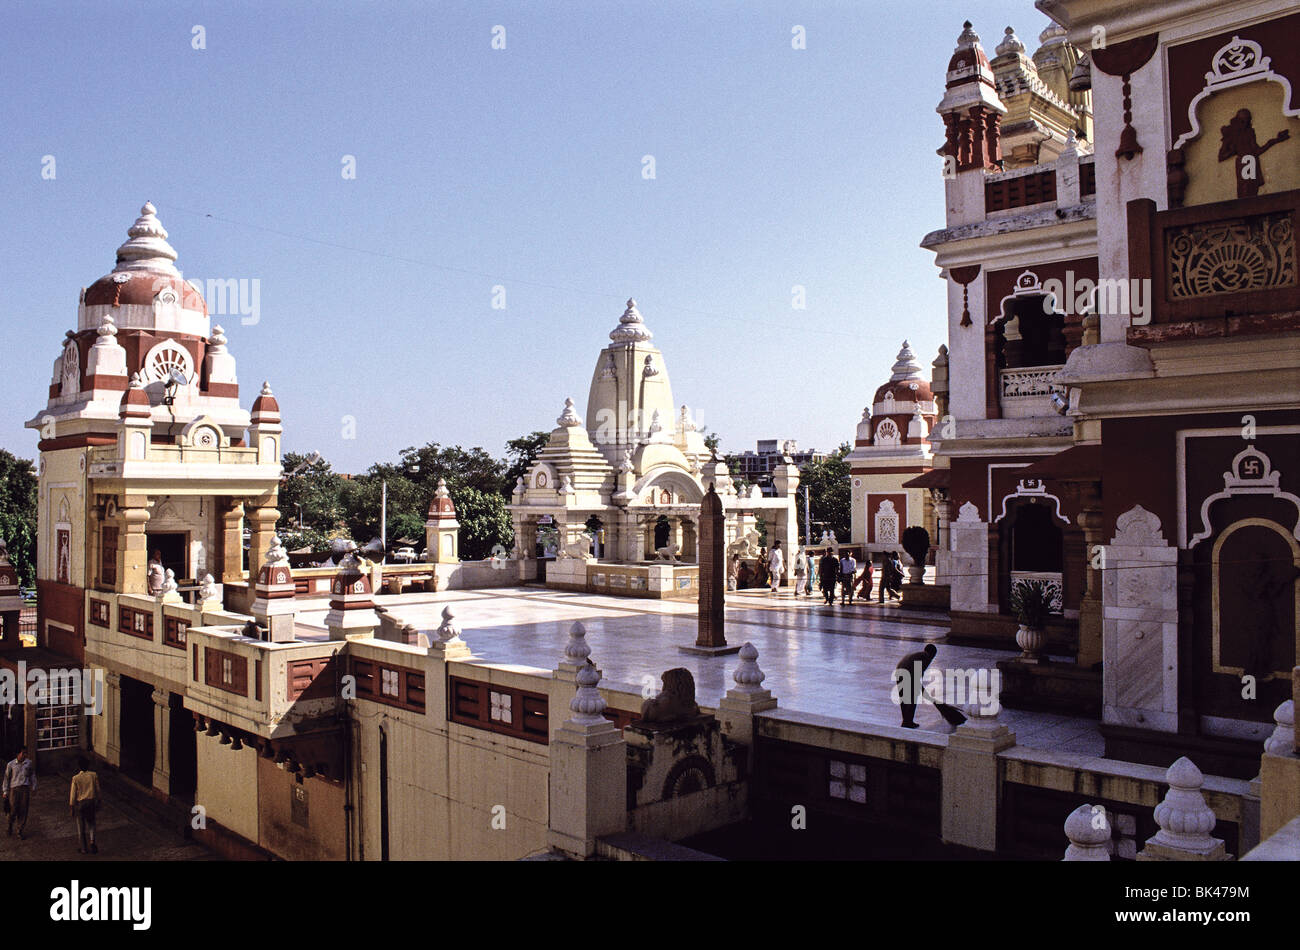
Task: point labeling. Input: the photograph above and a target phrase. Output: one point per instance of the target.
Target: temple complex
(1112, 423)
(622, 492)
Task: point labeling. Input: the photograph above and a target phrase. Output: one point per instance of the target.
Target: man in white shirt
(848, 574)
(775, 566)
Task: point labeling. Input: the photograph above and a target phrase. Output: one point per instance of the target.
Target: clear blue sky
(475, 167)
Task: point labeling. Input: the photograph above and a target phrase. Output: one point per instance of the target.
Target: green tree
(18, 487)
(316, 490)
(521, 453)
(711, 441)
(484, 522)
(831, 496)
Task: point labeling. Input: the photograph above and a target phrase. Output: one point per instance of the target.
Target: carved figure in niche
(677, 701)
(667, 553)
(1239, 143)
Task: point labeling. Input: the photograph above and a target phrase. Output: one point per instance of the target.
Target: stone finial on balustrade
(748, 677)
(208, 594)
(1282, 741)
(1185, 820)
(446, 638)
(1088, 828)
(170, 593)
(747, 698)
(587, 703)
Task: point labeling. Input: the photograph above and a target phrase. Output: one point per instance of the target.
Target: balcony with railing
(152, 459)
(1027, 391)
(1222, 269)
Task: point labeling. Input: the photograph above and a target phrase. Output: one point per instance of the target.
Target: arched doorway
(663, 530)
(1031, 546)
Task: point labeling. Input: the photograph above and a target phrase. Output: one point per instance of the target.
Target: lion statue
(677, 701)
(579, 549)
(744, 546)
(667, 553)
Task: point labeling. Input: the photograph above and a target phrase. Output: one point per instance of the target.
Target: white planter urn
(1031, 640)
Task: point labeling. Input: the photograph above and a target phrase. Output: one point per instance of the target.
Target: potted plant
(1032, 602)
(916, 542)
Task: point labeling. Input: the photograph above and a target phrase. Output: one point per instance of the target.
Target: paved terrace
(827, 661)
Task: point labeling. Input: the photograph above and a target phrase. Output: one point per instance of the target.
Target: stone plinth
(970, 782)
(927, 596)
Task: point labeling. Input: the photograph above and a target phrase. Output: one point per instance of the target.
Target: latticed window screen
(58, 727)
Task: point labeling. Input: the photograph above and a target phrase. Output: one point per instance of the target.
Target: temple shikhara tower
(622, 493)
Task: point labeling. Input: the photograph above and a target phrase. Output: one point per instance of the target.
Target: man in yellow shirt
(82, 801)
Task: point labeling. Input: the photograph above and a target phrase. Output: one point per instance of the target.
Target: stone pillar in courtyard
(712, 638)
(970, 781)
(588, 777)
(352, 608)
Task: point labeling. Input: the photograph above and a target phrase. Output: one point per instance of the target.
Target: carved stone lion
(744, 546)
(580, 549)
(667, 553)
(677, 701)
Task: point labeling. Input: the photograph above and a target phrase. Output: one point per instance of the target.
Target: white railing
(1030, 382)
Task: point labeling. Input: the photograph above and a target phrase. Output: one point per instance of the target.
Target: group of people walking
(842, 573)
(83, 798)
(831, 573)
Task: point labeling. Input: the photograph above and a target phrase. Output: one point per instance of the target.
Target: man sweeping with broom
(909, 688)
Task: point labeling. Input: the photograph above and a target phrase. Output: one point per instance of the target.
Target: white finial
(587, 703)
(218, 337)
(207, 589)
(448, 631)
(749, 678)
(107, 328)
(631, 328)
(169, 585)
(649, 369)
(266, 389)
(1282, 741)
(146, 247)
(905, 367)
(1185, 820)
(136, 382)
(569, 417)
(1010, 44)
(275, 553)
(968, 36)
(441, 490)
(576, 650)
(1088, 828)
(655, 425)
(610, 369)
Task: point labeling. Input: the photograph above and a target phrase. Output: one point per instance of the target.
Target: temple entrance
(1247, 583)
(663, 531)
(135, 730)
(182, 750)
(1031, 546)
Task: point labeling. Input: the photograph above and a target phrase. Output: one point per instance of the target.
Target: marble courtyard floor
(827, 661)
